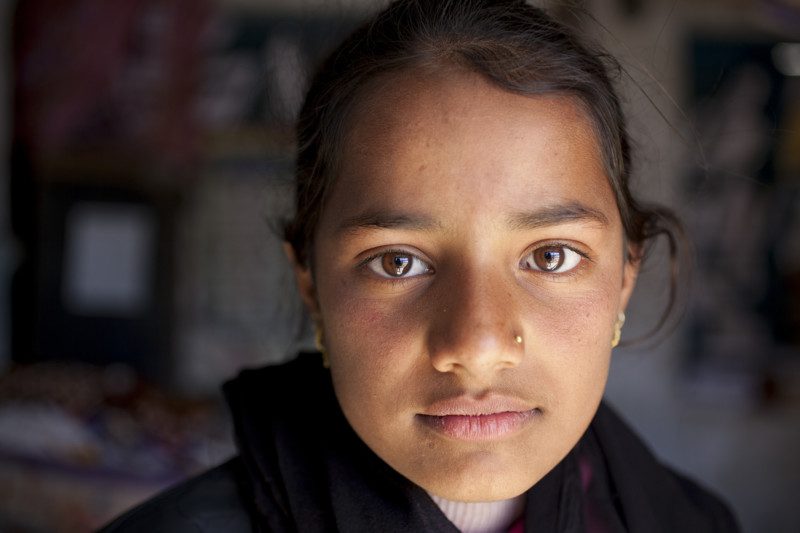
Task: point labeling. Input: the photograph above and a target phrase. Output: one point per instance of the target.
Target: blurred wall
(6, 243)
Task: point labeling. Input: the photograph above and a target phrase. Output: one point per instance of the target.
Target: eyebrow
(388, 220)
(556, 214)
(546, 216)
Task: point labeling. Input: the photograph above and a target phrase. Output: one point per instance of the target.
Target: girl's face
(465, 219)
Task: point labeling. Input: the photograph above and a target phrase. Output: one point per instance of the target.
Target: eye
(552, 258)
(398, 265)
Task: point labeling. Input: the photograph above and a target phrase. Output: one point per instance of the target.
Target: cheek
(365, 326)
(575, 317)
(359, 321)
(569, 348)
(373, 347)
(377, 361)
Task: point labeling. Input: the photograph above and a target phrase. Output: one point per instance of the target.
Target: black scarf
(308, 471)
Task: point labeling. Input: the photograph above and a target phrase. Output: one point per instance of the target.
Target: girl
(466, 243)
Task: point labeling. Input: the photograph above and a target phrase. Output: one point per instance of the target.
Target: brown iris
(396, 264)
(549, 258)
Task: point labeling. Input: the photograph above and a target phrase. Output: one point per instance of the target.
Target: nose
(475, 331)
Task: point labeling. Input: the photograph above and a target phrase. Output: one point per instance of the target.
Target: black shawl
(302, 468)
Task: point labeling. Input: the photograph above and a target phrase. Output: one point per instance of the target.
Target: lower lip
(479, 427)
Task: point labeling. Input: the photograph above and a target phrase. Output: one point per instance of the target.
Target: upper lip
(466, 405)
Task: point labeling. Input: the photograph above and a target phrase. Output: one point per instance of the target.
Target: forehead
(450, 134)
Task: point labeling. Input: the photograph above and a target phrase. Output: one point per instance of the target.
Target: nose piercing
(518, 339)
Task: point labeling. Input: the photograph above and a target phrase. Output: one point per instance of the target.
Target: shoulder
(210, 501)
(653, 496)
(715, 509)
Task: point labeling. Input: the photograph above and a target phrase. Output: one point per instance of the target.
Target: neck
(481, 517)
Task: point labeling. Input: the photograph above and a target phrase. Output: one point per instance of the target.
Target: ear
(630, 271)
(304, 280)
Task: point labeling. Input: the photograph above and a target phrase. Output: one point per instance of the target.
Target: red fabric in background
(123, 73)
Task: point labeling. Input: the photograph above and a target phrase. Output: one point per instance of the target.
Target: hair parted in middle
(513, 45)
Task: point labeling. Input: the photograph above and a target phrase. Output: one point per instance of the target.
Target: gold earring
(319, 342)
(618, 329)
(518, 339)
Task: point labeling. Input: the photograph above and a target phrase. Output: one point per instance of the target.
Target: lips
(465, 418)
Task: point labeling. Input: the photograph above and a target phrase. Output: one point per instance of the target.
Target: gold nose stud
(518, 339)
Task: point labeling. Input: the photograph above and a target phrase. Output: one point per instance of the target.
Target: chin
(486, 490)
(481, 479)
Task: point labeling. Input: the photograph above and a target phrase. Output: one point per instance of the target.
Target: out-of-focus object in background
(92, 441)
(744, 216)
(105, 140)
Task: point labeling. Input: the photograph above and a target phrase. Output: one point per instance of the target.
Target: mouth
(464, 418)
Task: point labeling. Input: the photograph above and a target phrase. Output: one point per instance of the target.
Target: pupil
(396, 264)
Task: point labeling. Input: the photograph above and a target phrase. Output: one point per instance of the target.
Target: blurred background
(146, 164)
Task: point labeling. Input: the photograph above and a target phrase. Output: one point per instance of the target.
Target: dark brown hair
(515, 46)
